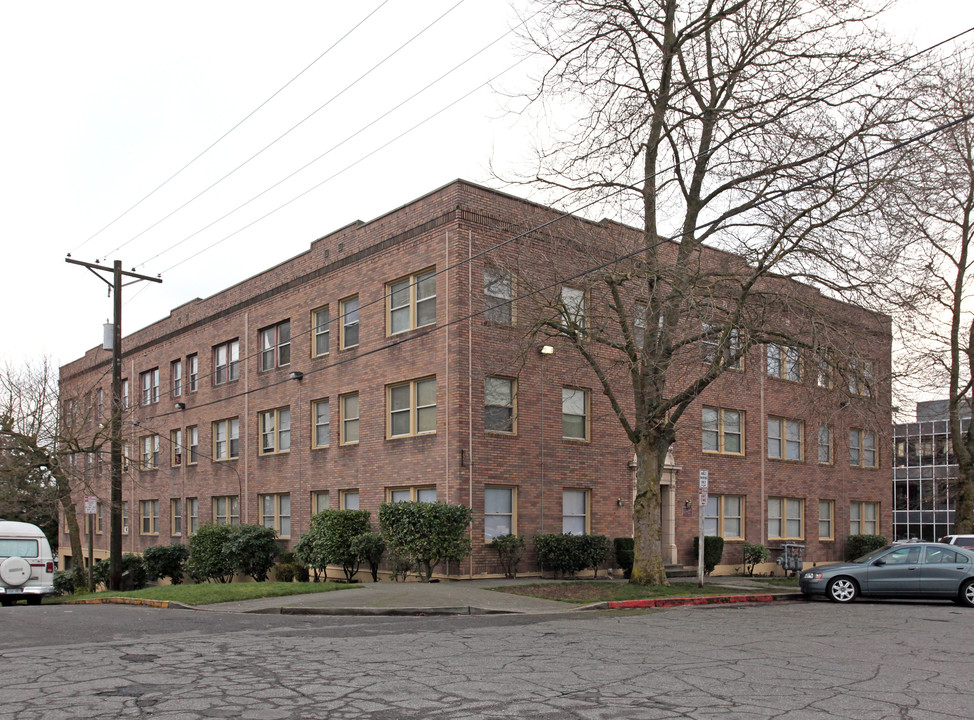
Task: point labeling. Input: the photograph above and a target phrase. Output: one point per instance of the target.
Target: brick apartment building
(354, 374)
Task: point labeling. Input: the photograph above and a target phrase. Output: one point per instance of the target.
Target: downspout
(244, 429)
(470, 382)
(446, 372)
(763, 433)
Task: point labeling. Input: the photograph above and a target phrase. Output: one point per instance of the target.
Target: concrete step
(679, 571)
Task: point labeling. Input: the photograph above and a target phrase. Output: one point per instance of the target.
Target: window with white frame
(275, 346)
(150, 452)
(226, 439)
(275, 431)
(349, 499)
(101, 402)
(192, 515)
(175, 447)
(723, 430)
(500, 512)
(785, 362)
(125, 395)
(149, 381)
(349, 409)
(500, 395)
(723, 516)
(149, 512)
(321, 322)
(574, 413)
(862, 448)
(573, 309)
(176, 374)
(226, 510)
(226, 362)
(320, 501)
(864, 518)
(193, 444)
(826, 519)
(176, 516)
(275, 513)
(824, 444)
(321, 416)
(785, 438)
(349, 327)
(125, 517)
(498, 296)
(786, 518)
(411, 302)
(412, 407)
(193, 371)
(574, 512)
(411, 494)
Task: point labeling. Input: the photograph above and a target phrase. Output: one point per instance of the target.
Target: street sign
(704, 479)
(703, 497)
(91, 505)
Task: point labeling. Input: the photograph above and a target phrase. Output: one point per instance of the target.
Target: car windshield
(869, 556)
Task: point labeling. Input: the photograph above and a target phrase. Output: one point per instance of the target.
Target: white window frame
(149, 382)
(570, 516)
(226, 362)
(569, 402)
(494, 511)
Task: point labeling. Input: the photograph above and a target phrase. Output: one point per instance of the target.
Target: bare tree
(48, 440)
(750, 127)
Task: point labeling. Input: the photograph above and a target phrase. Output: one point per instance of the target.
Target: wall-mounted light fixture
(546, 350)
(296, 375)
(620, 502)
(632, 465)
(180, 406)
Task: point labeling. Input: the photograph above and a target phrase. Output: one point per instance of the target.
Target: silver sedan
(914, 570)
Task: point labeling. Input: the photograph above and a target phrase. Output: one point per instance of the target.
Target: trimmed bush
(858, 545)
(595, 550)
(301, 573)
(625, 549)
(287, 557)
(284, 572)
(399, 566)
(713, 551)
(134, 575)
(329, 540)
(67, 581)
(426, 533)
(754, 554)
(166, 561)
(370, 548)
(252, 550)
(207, 560)
(563, 554)
(509, 550)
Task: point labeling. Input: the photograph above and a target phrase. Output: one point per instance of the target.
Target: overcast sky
(104, 101)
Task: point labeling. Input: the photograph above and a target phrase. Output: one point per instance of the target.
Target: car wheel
(5, 602)
(842, 590)
(966, 594)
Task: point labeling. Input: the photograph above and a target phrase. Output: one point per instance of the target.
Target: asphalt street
(790, 660)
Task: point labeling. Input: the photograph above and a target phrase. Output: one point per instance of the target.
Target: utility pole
(115, 543)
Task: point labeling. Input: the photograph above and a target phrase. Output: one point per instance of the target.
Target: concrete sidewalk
(463, 597)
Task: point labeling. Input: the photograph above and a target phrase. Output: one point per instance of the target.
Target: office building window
(723, 431)
(711, 335)
(226, 439)
(574, 512)
(350, 329)
(320, 501)
(275, 513)
(176, 373)
(125, 395)
(864, 518)
(275, 346)
(862, 448)
(321, 415)
(192, 515)
(498, 296)
(149, 381)
(826, 519)
(499, 404)
(349, 411)
(226, 510)
(412, 408)
(784, 362)
(411, 494)
(574, 413)
(175, 447)
(193, 438)
(176, 516)
(824, 444)
(785, 439)
(149, 512)
(349, 499)
(226, 362)
(150, 452)
(193, 368)
(411, 302)
(500, 512)
(275, 431)
(724, 516)
(572, 310)
(321, 322)
(785, 518)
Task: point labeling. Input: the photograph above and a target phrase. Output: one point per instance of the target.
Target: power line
(238, 124)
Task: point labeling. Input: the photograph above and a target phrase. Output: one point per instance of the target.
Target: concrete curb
(698, 600)
(164, 604)
(399, 611)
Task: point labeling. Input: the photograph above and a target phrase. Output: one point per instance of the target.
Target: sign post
(91, 509)
(703, 490)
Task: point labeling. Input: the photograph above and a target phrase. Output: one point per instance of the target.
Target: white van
(26, 563)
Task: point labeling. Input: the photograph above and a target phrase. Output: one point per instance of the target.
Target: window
(226, 510)
(193, 515)
(275, 431)
(784, 362)
(125, 394)
(785, 438)
(824, 376)
(639, 326)
(498, 296)
(150, 452)
(710, 337)
(824, 444)
(126, 456)
(500, 518)
(176, 373)
(499, 397)
(175, 447)
(411, 494)
(320, 501)
(149, 381)
(785, 518)
(573, 310)
(99, 519)
(349, 499)
(723, 431)
(275, 513)
(724, 516)
(862, 448)
(826, 519)
(226, 362)
(412, 408)
(349, 311)
(349, 419)
(574, 512)
(101, 403)
(321, 322)
(226, 439)
(149, 512)
(411, 302)
(275, 346)
(574, 414)
(860, 377)
(864, 518)
(125, 517)
(321, 414)
(193, 366)
(176, 516)
(193, 436)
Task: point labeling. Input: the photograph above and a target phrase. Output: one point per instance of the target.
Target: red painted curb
(702, 600)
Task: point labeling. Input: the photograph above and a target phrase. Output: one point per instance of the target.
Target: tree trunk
(964, 493)
(70, 519)
(647, 566)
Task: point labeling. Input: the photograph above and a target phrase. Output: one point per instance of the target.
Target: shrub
(207, 560)
(166, 561)
(858, 545)
(370, 547)
(134, 576)
(301, 573)
(625, 549)
(595, 550)
(251, 550)
(399, 565)
(287, 557)
(329, 540)
(562, 553)
(713, 551)
(67, 581)
(284, 572)
(426, 533)
(509, 549)
(754, 554)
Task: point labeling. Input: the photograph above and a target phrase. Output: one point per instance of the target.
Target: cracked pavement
(794, 660)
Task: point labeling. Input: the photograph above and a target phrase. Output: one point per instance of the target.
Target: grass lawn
(591, 592)
(777, 580)
(208, 593)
